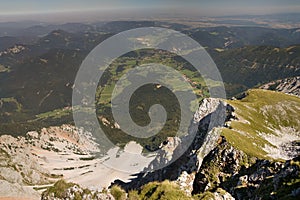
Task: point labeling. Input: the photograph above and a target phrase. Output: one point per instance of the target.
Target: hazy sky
(201, 7)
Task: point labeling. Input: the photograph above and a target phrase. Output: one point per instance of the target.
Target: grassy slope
(261, 111)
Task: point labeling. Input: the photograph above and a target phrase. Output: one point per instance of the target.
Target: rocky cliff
(183, 169)
(246, 177)
(288, 85)
(253, 154)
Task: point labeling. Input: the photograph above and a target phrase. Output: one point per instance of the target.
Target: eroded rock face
(18, 164)
(26, 161)
(210, 115)
(246, 177)
(17, 191)
(288, 86)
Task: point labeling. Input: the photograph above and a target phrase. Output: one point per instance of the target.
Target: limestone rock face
(17, 191)
(222, 195)
(288, 86)
(246, 177)
(210, 115)
(214, 168)
(18, 164)
(25, 161)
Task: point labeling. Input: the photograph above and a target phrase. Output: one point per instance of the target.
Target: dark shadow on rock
(187, 162)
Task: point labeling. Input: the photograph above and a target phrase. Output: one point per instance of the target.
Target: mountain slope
(249, 66)
(248, 161)
(260, 139)
(266, 124)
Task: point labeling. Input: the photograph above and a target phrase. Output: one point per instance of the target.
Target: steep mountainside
(267, 125)
(249, 66)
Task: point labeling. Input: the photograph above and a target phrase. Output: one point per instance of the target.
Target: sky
(201, 7)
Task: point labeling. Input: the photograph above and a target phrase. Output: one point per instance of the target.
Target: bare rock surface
(288, 86)
(17, 191)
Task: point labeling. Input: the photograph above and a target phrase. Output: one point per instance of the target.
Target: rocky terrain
(288, 85)
(32, 163)
(244, 148)
(215, 167)
(246, 177)
(29, 162)
(222, 167)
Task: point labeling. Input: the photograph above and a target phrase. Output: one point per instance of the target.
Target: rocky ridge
(212, 164)
(288, 86)
(182, 170)
(246, 177)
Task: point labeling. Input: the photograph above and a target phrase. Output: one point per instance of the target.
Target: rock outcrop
(37, 159)
(71, 191)
(210, 115)
(288, 86)
(246, 177)
(17, 191)
(214, 168)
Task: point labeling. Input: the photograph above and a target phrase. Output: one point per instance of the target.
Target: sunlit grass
(261, 112)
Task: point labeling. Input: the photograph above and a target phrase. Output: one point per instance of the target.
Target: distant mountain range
(37, 74)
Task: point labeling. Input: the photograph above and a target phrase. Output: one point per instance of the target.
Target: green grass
(261, 111)
(118, 193)
(133, 195)
(204, 196)
(165, 190)
(58, 189)
(55, 114)
(105, 96)
(147, 96)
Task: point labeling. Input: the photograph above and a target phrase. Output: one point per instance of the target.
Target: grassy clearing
(118, 193)
(261, 112)
(106, 94)
(164, 190)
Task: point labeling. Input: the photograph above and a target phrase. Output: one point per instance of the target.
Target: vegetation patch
(118, 193)
(262, 114)
(58, 189)
(164, 190)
